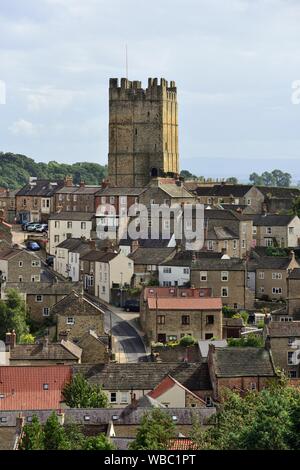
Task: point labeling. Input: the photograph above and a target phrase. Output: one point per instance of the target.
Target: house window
(185, 320)
(290, 357)
(24, 202)
(203, 276)
(103, 289)
(124, 397)
(291, 341)
(45, 386)
(276, 276)
(35, 278)
(113, 397)
(83, 225)
(291, 230)
(253, 386)
(167, 270)
(161, 319)
(210, 319)
(35, 264)
(234, 244)
(224, 292)
(3, 419)
(186, 270)
(276, 290)
(20, 264)
(243, 243)
(70, 321)
(123, 200)
(292, 374)
(210, 245)
(56, 238)
(261, 275)
(103, 200)
(224, 276)
(244, 228)
(262, 289)
(209, 201)
(39, 298)
(172, 338)
(269, 230)
(112, 199)
(69, 224)
(46, 312)
(254, 230)
(20, 278)
(209, 335)
(248, 202)
(269, 241)
(56, 224)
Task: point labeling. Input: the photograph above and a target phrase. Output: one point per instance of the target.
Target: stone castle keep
(143, 131)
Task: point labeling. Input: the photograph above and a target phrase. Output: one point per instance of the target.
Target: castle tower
(143, 131)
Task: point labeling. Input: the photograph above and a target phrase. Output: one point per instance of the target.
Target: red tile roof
(185, 303)
(22, 388)
(182, 444)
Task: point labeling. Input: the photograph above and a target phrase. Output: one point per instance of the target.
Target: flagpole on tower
(126, 48)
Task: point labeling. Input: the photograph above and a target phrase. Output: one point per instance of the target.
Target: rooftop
(242, 362)
(86, 307)
(45, 188)
(75, 245)
(65, 350)
(32, 388)
(80, 216)
(283, 329)
(272, 220)
(153, 256)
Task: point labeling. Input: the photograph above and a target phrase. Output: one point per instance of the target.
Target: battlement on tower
(127, 89)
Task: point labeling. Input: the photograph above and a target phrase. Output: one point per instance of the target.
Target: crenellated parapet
(127, 89)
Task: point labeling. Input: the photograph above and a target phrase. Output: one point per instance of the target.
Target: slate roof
(145, 376)
(120, 191)
(184, 303)
(283, 329)
(23, 387)
(295, 274)
(175, 191)
(65, 350)
(226, 190)
(273, 262)
(205, 264)
(222, 233)
(278, 192)
(185, 258)
(272, 220)
(44, 188)
(81, 216)
(86, 307)
(92, 255)
(74, 245)
(242, 362)
(80, 190)
(153, 256)
(46, 288)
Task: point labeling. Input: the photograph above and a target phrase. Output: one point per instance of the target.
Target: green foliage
(98, 443)
(228, 312)
(80, 394)
(244, 315)
(275, 178)
(250, 340)
(232, 180)
(155, 431)
(268, 420)
(276, 251)
(55, 437)
(153, 282)
(27, 338)
(188, 175)
(13, 315)
(16, 169)
(187, 341)
(33, 436)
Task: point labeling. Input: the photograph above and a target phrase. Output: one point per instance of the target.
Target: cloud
(48, 98)
(24, 128)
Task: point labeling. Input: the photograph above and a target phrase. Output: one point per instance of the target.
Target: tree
(232, 180)
(187, 175)
(187, 341)
(80, 394)
(268, 420)
(275, 178)
(33, 436)
(250, 340)
(54, 434)
(155, 431)
(13, 315)
(99, 442)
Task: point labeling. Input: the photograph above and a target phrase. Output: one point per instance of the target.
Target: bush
(187, 341)
(228, 312)
(251, 340)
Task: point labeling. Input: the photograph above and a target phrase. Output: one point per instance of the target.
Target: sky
(234, 63)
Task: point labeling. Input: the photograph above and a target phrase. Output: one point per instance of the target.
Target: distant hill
(15, 171)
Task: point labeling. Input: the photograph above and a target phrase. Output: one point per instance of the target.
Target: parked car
(132, 305)
(25, 225)
(32, 227)
(41, 228)
(32, 246)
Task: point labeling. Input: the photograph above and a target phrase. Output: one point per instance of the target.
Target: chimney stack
(68, 181)
(11, 339)
(63, 336)
(82, 184)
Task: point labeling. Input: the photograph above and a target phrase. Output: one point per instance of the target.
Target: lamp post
(121, 291)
